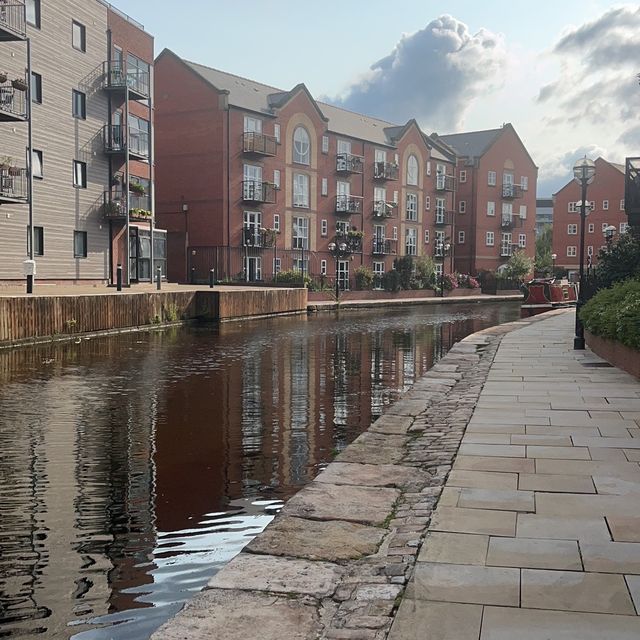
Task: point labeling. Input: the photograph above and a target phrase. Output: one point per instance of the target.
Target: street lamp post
(584, 172)
(553, 264)
(444, 249)
(338, 249)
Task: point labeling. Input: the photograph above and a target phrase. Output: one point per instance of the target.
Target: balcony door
(343, 190)
(378, 238)
(252, 177)
(253, 268)
(252, 225)
(343, 274)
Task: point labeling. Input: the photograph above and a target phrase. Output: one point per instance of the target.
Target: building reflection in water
(133, 467)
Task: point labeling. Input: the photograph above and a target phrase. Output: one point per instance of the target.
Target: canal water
(133, 467)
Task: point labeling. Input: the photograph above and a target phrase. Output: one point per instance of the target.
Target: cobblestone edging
(335, 562)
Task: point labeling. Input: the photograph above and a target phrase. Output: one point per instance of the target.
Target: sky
(564, 73)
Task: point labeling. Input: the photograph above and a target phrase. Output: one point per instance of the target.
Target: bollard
(158, 278)
(193, 275)
(119, 277)
(212, 277)
(29, 284)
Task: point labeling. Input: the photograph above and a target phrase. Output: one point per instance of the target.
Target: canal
(133, 467)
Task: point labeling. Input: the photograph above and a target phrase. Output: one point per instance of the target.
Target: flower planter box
(616, 353)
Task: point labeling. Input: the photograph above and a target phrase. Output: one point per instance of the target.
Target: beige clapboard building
(91, 116)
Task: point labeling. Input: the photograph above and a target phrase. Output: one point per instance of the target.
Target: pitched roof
(472, 144)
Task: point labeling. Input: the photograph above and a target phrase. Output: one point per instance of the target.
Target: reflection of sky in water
(183, 562)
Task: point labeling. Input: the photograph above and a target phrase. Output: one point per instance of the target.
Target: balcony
(510, 222)
(385, 171)
(13, 21)
(348, 163)
(14, 185)
(384, 209)
(445, 182)
(348, 204)
(384, 247)
(259, 144)
(13, 103)
(441, 249)
(119, 78)
(114, 206)
(257, 238)
(115, 141)
(507, 249)
(511, 191)
(443, 218)
(257, 191)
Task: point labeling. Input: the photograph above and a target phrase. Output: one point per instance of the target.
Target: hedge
(615, 313)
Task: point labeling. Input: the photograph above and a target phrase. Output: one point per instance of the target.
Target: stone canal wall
(335, 561)
(32, 319)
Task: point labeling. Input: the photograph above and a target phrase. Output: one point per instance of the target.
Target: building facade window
(277, 265)
(38, 241)
(428, 167)
(36, 87)
(524, 183)
(38, 163)
(325, 144)
(276, 132)
(79, 174)
(78, 36)
(624, 227)
(463, 176)
(461, 236)
(411, 238)
(491, 208)
(395, 233)
(276, 222)
(301, 190)
(324, 228)
(300, 233)
(79, 244)
(592, 227)
(276, 178)
(301, 146)
(440, 210)
(252, 124)
(572, 229)
(622, 204)
(572, 252)
(33, 12)
(324, 190)
(79, 105)
(490, 239)
(605, 205)
(427, 202)
(323, 267)
(412, 207)
(589, 250)
(523, 211)
(462, 206)
(491, 178)
(605, 225)
(426, 236)
(522, 240)
(572, 208)
(412, 170)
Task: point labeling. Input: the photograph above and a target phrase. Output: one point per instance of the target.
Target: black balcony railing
(257, 238)
(510, 222)
(384, 247)
(14, 184)
(115, 141)
(445, 182)
(139, 202)
(258, 191)
(507, 249)
(13, 102)
(348, 163)
(511, 191)
(259, 143)
(384, 209)
(118, 77)
(13, 21)
(385, 171)
(348, 204)
(443, 218)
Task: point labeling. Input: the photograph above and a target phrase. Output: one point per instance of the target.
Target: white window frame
(79, 174)
(524, 183)
(572, 229)
(591, 228)
(276, 178)
(622, 204)
(276, 132)
(523, 211)
(301, 146)
(413, 170)
(395, 233)
(624, 227)
(426, 236)
(324, 228)
(411, 241)
(301, 190)
(324, 190)
(605, 225)
(252, 124)
(492, 178)
(276, 222)
(461, 237)
(427, 203)
(605, 205)
(490, 239)
(323, 267)
(325, 144)
(428, 167)
(462, 206)
(412, 207)
(491, 208)
(572, 208)
(463, 175)
(277, 265)
(300, 238)
(572, 251)
(522, 240)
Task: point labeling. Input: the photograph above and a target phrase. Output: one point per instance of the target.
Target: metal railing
(258, 191)
(348, 204)
(115, 140)
(349, 163)
(13, 21)
(384, 209)
(257, 238)
(12, 101)
(137, 201)
(14, 184)
(117, 75)
(385, 171)
(443, 218)
(139, 142)
(384, 247)
(511, 191)
(445, 182)
(508, 249)
(253, 142)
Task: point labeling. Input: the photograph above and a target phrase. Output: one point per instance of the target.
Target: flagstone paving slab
(369, 475)
(483, 479)
(624, 528)
(454, 548)
(483, 463)
(531, 525)
(555, 483)
(501, 499)
(612, 557)
(483, 521)
(534, 553)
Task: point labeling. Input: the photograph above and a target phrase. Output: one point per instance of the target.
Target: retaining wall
(616, 353)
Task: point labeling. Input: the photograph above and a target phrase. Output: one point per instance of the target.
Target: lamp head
(332, 246)
(584, 171)
(609, 232)
(343, 246)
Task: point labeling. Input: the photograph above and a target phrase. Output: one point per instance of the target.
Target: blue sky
(493, 73)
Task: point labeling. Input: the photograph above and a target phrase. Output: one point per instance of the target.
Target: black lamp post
(443, 249)
(339, 249)
(584, 172)
(553, 264)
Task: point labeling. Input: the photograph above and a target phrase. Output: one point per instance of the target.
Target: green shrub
(517, 267)
(615, 313)
(292, 277)
(404, 268)
(622, 261)
(391, 280)
(425, 272)
(364, 278)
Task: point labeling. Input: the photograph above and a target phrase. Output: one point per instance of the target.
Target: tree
(425, 271)
(544, 248)
(622, 261)
(518, 266)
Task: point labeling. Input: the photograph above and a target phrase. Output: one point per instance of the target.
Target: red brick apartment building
(253, 180)
(92, 118)
(496, 196)
(606, 207)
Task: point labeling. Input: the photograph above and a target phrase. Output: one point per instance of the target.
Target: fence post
(119, 277)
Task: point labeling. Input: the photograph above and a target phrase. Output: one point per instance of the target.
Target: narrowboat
(545, 294)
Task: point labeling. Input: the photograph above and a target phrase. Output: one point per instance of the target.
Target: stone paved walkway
(537, 533)
(530, 451)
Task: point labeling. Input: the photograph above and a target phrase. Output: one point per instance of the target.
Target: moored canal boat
(545, 294)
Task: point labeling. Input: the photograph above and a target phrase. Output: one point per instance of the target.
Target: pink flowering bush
(467, 282)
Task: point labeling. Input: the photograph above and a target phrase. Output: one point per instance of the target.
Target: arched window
(412, 170)
(301, 146)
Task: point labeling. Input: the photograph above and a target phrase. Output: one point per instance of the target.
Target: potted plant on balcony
(5, 163)
(140, 213)
(3, 77)
(136, 188)
(20, 84)
(112, 208)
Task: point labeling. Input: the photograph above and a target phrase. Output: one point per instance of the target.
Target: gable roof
(598, 161)
(472, 144)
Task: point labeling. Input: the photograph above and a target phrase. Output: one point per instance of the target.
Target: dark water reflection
(133, 467)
